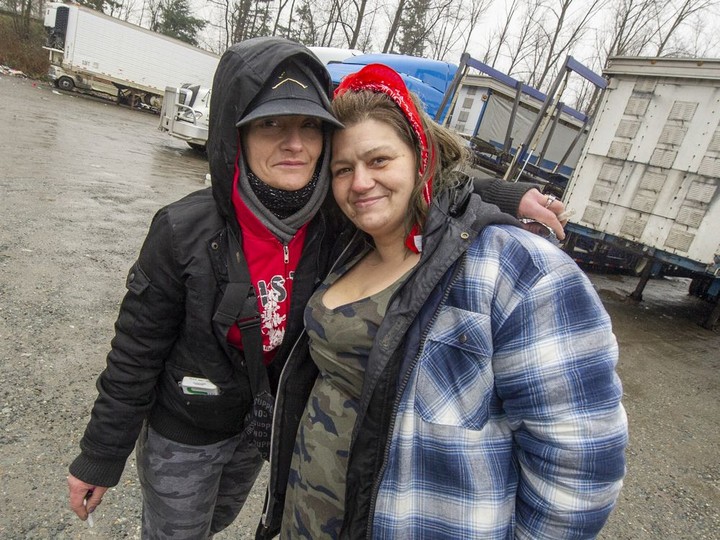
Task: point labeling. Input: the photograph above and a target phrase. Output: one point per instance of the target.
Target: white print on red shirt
(272, 316)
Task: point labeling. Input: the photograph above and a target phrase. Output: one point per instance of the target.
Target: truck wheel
(151, 100)
(65, 83)
(699, 287)
(197, 147)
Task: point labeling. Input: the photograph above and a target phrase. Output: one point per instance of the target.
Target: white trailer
(647, 180)
(93, 51)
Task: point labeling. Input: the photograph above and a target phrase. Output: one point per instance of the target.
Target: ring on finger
(550, 199)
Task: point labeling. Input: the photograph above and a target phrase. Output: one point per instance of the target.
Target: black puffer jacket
(165, 329)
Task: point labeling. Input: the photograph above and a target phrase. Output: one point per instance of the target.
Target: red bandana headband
(380, 78)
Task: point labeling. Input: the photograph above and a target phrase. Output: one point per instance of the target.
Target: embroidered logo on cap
(288, 79)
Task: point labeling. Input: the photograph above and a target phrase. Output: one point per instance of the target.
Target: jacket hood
(241, 73)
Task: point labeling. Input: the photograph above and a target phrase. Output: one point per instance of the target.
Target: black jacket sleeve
(503, 194)
(150, 318)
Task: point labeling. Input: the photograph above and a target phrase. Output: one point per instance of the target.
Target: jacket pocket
(455, 380)
(223, 412)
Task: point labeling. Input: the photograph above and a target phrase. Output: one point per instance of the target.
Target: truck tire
(151, 100)
(65, 83)
(699, 287)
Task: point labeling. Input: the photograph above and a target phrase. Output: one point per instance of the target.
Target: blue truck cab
(427, 78)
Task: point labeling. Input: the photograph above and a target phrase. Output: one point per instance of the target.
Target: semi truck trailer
(647, 181)
(92, 51)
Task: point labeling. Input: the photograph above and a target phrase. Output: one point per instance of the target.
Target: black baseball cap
(290, 90)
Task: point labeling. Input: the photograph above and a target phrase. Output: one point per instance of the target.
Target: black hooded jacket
(166, 328)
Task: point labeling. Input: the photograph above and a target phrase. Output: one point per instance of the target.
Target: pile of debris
(5, 70)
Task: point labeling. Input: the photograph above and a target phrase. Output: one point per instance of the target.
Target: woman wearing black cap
(215, 300)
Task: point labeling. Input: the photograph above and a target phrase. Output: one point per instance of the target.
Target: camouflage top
(340, 343)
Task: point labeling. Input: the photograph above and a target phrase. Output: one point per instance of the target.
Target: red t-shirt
(272, 266)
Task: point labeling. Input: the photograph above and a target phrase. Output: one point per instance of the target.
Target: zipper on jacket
(399, 393)
(269, 499)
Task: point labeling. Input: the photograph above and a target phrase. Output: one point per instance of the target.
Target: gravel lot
(79, 182)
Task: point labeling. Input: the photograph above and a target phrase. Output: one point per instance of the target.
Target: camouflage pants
(192, 492)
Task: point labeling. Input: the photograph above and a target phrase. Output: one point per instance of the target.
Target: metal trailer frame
(524, 160)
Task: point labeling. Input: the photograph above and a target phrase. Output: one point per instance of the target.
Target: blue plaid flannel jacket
(511, 424)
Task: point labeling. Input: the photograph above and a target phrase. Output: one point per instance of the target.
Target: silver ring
(550, 199)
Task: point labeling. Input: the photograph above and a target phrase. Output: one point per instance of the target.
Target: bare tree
(519, 44)
(368, 31)
(632, 29)
(22, 12)
(560, 30)
(124, 10)
(321, 23)
(537, 35)
(646, 27)
(700, 41)
(335, 21)
(444, 27)
(153, 12)
(278, 15)
(472, 12)
(453, 28)
(498, 39)
(141, 19)
(394, 26)
(306, 30)
(530, 42)
(355, 35)
(252, 19)
(682, 10)
(348, 23)
(223, 20)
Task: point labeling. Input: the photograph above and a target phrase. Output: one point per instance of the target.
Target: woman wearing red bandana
(461, 380)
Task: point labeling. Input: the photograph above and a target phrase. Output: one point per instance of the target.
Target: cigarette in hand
(566, 214)
(90, 520)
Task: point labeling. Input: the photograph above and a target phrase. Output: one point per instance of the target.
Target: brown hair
(354, 107)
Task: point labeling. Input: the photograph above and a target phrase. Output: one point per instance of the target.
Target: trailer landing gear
(644, 278)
